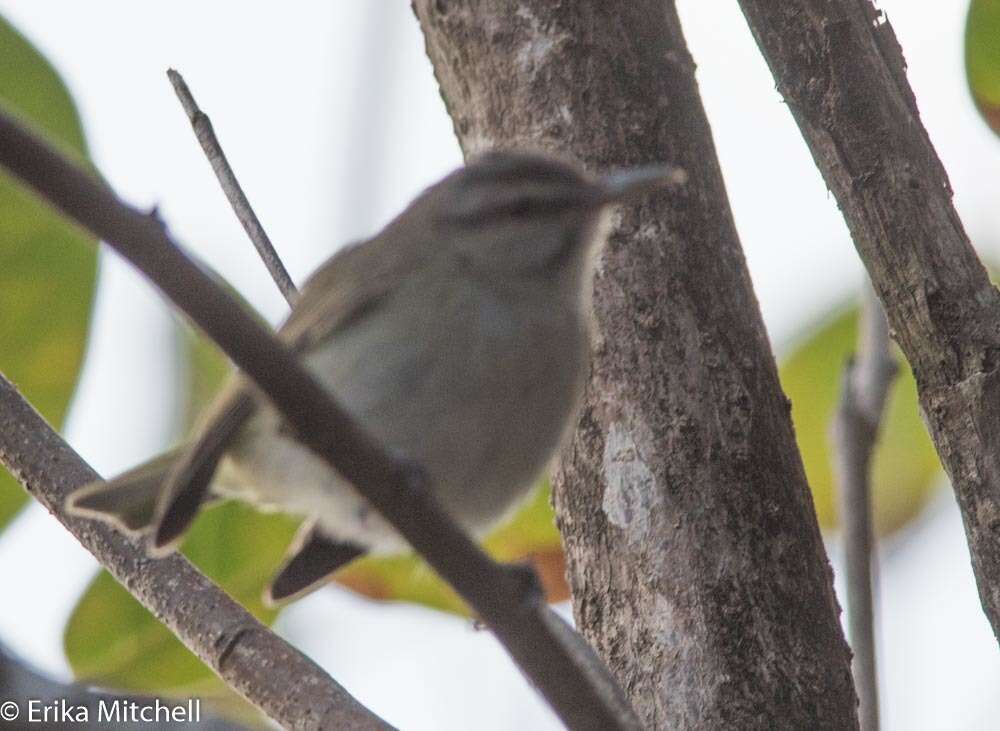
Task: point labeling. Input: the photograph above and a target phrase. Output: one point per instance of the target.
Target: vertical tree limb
(694, 554)
(839, 67)
(868, 376)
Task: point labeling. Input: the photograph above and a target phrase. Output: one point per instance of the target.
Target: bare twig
(203, 130)
(842, 73)
(507, 598)
(864, 392)
(256, 663)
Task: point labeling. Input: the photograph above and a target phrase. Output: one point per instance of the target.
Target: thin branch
(842, 73)
(256, 663)
(203, 130)
(507, 598)
(22, 685)
(864, 392)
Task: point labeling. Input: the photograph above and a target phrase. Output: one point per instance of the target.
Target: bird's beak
(628, 185)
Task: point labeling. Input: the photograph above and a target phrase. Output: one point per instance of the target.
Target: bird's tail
(129, 500)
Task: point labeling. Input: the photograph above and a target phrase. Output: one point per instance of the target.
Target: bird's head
(526, 214)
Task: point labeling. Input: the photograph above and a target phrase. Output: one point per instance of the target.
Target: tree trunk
(694, 555)
(839, 67)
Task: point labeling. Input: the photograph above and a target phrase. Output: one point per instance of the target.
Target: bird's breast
(479, 388)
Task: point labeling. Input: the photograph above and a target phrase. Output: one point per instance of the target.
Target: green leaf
(47, 267)
(906, 467)
(982, 58)
(207, 370)
(113, 641)
(530, 536)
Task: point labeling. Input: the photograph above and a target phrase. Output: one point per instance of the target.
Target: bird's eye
(479, 208)
(524, 205)
(519, 207)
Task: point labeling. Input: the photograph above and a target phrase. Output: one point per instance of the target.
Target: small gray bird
(458, 336)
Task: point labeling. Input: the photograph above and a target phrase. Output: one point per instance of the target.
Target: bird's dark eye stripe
(513, 168)
(527, 204)
(476, 205)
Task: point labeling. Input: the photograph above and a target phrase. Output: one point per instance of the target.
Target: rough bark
(694, 554)
(841, 70)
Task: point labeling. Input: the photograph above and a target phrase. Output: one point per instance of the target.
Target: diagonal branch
(203, 130)
(841, 70)
(256, 663)
(864, 392)
(507, 598)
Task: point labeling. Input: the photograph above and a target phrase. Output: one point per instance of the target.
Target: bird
(459, 336)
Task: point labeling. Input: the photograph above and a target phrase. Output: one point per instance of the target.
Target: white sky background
(331, 117)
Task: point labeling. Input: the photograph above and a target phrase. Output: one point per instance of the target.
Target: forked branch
(867, 379)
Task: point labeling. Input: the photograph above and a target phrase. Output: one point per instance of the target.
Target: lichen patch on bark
(628, 486)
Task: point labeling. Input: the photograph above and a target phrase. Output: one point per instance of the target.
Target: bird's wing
(349, 284)
(190, 475)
